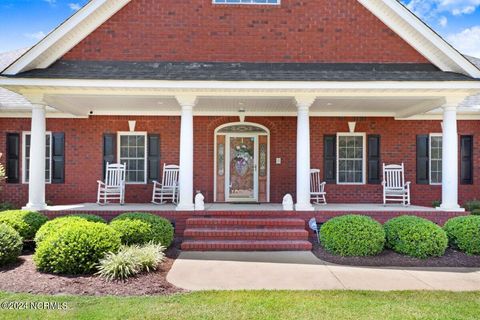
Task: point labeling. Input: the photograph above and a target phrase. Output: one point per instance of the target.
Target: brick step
(245, 234)
(228, 223)
(246, 245)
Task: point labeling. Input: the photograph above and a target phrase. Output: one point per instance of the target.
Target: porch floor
(334, 207)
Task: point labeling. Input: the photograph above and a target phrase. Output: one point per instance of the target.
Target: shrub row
(76, 244)
(355, 235)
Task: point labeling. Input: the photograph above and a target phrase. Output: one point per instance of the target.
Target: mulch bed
(388, 258)
(23, 277)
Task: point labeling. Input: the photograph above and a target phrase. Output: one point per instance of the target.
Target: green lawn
(259, 305)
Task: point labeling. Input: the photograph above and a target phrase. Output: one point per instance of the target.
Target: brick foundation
(83, 143)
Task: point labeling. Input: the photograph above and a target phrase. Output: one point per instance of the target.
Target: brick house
(292, 82)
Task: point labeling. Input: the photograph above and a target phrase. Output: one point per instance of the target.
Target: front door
(241, 183)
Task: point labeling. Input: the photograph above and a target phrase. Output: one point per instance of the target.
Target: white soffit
(421, 37)
(391, 12)
(66, 36)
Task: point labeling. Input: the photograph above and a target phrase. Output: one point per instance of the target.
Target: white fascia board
(66, 36)
(19, 84)
(421, 37)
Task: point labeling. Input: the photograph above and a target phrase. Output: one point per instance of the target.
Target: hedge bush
(10, 244)
(476, 212)
(133, 231)
(161, 230)
(89, 217)
(6, 206)
(472, 205)
(415, 237)
(25, 222)
(464, 234)
(353, 235)
(54, 226)
(76, 248)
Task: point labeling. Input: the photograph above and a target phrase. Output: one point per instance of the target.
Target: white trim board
(396, 16)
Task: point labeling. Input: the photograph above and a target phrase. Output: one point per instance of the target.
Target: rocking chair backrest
(115, 174)
(170, 175)
(394, 176)
(315, 181)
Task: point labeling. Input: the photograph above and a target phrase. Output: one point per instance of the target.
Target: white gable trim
(420, 36)
(391, 12)
(66, 36)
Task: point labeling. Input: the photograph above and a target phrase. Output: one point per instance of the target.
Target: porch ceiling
(393, 106)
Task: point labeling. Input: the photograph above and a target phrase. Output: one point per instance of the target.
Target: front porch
(235, 208)
(255, 218)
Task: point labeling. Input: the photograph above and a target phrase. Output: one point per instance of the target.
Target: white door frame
(227, 166)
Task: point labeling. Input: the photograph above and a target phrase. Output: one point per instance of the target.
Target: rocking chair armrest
(100, 182)
(384, 183)
(407, 184)
(155, 183)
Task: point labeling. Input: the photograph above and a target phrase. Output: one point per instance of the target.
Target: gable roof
(391, 12)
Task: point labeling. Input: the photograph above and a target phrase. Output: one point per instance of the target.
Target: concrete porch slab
(89, 207)
(303, 271)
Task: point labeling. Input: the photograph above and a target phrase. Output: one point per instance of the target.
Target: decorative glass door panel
(242, 178)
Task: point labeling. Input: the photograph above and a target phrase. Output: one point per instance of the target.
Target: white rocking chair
(114, 186)
(168, 189)
(395, 189)
(317, 188)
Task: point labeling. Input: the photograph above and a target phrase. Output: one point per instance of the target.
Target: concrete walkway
(303, 271)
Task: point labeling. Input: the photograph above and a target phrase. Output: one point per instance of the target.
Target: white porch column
(36, 185)
(185, 179)
(303, 154)
(450, 160)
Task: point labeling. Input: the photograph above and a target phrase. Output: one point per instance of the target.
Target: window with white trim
(26, 157)
(351, 158)
(435, 153)
(267, 2)
(132, 150)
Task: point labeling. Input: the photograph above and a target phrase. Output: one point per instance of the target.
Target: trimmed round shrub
(161, 230)
(464, 234)
(54, 226)
(10, 244)
(76, 248)
(415, 237)
(133, 231)
(25, 222)
(476, 212)
(89, 217)
(353, 235)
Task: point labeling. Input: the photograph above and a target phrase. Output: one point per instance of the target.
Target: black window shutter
(58, 157)
(330, 158)
(374, 159)
(13, 158)
(153, 157)
(422, 160)
(109, 140)
(466, 143)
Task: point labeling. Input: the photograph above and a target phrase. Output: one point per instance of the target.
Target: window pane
(26, 157)
(436, 159)
(132, 152)
(350, 159)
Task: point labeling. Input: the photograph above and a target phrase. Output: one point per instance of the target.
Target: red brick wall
(295, 31)
(84, 155)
